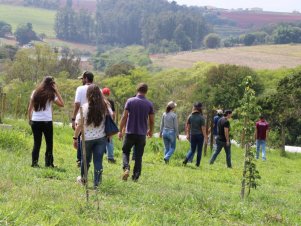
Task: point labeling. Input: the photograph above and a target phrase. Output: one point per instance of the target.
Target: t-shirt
(91, 132)
(169, 121)
(262, 127)
(221, 125)
(43, 115)
(196, 122)
(81, 95)
(139, 109)
(215, 121)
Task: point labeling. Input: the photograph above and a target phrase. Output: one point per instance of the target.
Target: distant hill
(246, 19)
(41, 19)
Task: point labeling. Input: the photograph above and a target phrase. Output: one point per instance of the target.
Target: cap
(219, 111)
(87, 74)
(106, 91)
(171, 104)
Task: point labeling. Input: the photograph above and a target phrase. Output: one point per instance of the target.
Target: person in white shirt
(40, 118)
(94, 113)
(80, 99)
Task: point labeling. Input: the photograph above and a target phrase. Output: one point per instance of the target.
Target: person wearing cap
(138, 120)
(261, 134)
(196, 133)
(169, 130)
(223, 138)
(216, 118)
(81, 99)
(110, 146)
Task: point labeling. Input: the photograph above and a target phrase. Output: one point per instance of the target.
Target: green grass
(164, 195)
(41, 19)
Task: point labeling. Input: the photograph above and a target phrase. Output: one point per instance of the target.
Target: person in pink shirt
(261, 135)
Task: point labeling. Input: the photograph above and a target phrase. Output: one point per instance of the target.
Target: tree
(69, 62)
(223, 84)
(5, 28)
(33, 64)
(284, 106)
(119, 69)
(212, 41)
(249, 39)
(24, 34)
(249, 111)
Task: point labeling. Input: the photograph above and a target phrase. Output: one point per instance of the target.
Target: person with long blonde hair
(40, 118)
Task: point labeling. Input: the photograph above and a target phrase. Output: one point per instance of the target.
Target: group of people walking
(136, 124)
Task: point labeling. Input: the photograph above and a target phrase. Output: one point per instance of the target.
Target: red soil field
(257, 19)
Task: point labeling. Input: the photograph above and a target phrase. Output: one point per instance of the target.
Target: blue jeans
(219, 146)
(169, 139)
(110, 148)
(96, 148)
(196, 142)
(261, 143)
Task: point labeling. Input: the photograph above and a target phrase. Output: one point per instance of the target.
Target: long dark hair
(97, 106)
(43, 93)
(168, 109)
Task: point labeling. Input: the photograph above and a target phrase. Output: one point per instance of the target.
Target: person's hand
(75, 143)
(160, 135)
(54, 87)
(120, 135)
(206, 140)
(149, 133)
(228, 143)
(188, 137)
(178, 137)
(30, 122)
(73, 124)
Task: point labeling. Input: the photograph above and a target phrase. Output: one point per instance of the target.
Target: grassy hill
(164, 195)
(257, 57)
(41, 19)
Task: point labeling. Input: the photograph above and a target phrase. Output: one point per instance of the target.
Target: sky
(266, 5)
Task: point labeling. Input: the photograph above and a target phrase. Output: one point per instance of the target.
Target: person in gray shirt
(169, 130)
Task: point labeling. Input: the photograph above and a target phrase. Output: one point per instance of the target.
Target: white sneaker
(79, 180)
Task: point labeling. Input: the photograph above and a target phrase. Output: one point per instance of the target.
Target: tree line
(144, 22)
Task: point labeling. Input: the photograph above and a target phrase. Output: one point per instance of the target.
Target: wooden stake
(84, 153)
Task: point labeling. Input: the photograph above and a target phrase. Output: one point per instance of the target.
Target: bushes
(13, 141)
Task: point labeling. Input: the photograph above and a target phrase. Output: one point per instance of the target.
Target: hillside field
(164, 195)
(256, 57)
(41, 19)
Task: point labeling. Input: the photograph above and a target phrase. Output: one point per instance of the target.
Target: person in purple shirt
(138, 112)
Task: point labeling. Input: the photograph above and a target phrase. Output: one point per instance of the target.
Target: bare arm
(151, 121)
(30, 109)
(227, 135)
(122, 124)
(205, 134)
(187, 131)
(75, 111)
(59, 102)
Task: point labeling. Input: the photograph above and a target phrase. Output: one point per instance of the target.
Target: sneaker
(80, 180)
(135, 178)
(113, 161)
(166, 161)
(125, 175)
